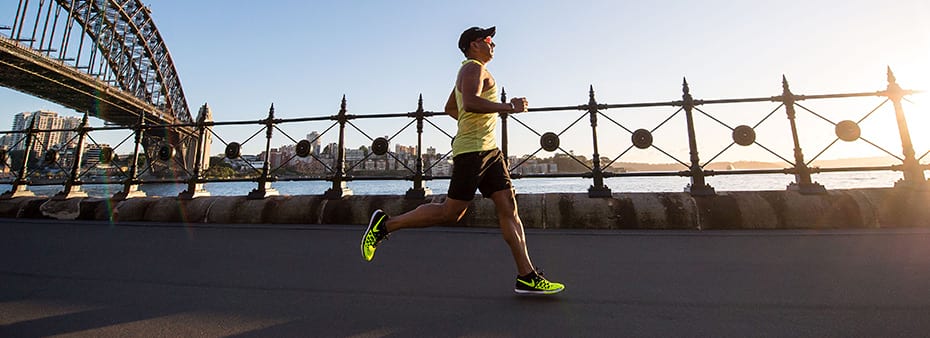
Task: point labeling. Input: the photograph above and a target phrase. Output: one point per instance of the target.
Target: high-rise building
(70, 136)
(44, 120)
(20, 122)
(92, 154)
(315, 142)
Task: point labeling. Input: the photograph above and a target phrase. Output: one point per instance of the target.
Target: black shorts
(482, 170)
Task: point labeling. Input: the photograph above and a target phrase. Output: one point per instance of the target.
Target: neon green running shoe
(536, 284)
(374, 235)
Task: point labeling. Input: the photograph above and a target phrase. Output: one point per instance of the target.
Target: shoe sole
(531, 292)
(371, 224)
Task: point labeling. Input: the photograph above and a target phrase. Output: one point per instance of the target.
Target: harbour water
(760, 182)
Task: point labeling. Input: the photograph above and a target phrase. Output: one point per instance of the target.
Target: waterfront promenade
(89, 278)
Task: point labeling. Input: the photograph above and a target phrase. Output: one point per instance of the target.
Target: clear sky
(303, 56)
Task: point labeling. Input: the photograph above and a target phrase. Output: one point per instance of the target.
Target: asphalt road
(96, 279)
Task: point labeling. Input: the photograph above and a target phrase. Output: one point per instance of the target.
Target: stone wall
(855, 208)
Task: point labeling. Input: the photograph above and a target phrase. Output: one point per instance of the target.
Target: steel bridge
(104, 58)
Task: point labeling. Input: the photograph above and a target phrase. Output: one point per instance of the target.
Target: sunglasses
(488, 41)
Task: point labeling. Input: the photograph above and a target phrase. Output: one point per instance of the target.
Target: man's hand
(519, 104)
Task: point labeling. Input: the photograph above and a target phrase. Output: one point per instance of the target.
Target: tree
(218, 161)
(219, 168)
(567, 164)
(220, 172)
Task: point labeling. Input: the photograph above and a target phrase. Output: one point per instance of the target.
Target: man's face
(484, 47)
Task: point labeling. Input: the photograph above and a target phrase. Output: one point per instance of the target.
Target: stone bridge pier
(179, 152)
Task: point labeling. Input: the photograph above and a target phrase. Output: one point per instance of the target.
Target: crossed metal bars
(340, 173)
(743, 135)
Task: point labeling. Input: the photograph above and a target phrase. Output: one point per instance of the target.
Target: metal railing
(146, 161)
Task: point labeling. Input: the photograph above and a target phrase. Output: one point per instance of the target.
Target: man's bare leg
(381, 224)
(512, 229)
(447, 212)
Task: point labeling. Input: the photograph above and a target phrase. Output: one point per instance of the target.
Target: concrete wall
(857, 208)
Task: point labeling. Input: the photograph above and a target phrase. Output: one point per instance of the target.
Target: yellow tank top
(475, 131)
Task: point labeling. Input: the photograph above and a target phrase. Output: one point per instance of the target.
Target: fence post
(419, 191)
(195, 183)
(698, 186)
(20, 186)
(264, 181)
(73, 185)
(802, 174)
(598, 189)
(913, 174)
(131, 185)
(505, 141)
(339, 188)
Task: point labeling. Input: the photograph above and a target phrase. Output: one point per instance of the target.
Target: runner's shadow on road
(537, 299)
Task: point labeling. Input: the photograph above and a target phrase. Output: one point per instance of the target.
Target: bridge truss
(108, 41)
(104, 58)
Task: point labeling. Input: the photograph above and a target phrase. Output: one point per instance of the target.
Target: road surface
(98, 279)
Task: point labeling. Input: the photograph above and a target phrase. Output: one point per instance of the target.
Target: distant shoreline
(743, 165)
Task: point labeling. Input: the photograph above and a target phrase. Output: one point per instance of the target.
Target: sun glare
(917, 107)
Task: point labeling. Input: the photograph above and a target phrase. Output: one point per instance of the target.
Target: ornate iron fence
(73, 168)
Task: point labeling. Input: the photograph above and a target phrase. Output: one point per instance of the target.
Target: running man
(477, 165)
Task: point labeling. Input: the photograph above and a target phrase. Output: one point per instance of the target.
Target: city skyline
(43, 120)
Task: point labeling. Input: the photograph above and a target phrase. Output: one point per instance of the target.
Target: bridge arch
(115, 42)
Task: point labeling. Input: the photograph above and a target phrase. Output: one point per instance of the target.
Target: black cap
(473, 34)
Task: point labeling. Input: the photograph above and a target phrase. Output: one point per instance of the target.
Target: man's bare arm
(451, 107)
(471, 86)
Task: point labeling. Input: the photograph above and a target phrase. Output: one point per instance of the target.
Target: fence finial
(591, 100)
